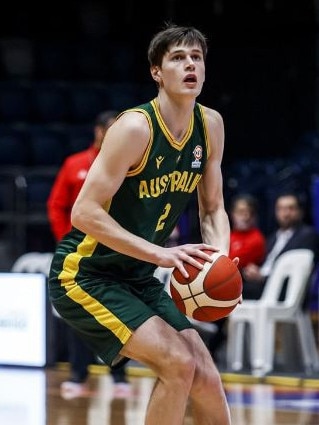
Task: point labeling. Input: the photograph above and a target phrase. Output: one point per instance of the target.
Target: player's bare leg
(163, 349)
(173, 360)
(208, 400)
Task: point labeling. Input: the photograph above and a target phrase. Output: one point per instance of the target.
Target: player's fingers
(193, 260)
(236, 261)
(181, 268)
(202, 251)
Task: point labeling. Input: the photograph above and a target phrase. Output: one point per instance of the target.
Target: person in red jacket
(247, 242)
(64, 191)
(71, 176)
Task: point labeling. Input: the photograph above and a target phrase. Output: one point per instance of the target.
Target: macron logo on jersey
(159, 160)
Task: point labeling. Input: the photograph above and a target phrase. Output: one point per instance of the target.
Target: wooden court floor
(31, 396)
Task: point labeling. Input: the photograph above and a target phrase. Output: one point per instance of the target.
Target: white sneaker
(71, 390)
(122, 390)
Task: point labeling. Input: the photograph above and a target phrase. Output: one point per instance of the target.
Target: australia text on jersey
(173, 182)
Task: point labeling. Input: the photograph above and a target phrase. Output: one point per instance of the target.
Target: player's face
(182, 70)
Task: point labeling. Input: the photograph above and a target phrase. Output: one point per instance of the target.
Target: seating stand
(262, 316)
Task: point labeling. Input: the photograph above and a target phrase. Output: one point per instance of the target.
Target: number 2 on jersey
(161, 220)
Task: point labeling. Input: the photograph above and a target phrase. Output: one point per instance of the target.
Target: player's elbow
(78, 215)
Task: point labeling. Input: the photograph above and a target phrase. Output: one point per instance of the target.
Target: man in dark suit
(292, 233)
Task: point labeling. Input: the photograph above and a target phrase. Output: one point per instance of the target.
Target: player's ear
(155, 72)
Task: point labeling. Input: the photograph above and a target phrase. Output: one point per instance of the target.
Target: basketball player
(101, 281)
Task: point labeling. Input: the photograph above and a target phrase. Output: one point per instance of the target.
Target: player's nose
(190, 63)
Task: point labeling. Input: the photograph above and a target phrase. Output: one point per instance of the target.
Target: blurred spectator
(292, 233)
(66, 187)
(71, 176)
(247, 242)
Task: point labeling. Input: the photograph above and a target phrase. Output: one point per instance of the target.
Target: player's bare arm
(214, 220)
(122, 149)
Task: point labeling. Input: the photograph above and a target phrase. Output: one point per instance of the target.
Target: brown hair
(173, 34)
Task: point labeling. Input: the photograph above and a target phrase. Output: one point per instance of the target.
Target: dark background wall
(260, 70)
(62, 62)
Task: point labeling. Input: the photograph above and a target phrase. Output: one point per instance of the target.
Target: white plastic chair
(33, 262)
(261, 316)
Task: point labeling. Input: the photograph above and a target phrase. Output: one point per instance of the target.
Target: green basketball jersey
(149, 202)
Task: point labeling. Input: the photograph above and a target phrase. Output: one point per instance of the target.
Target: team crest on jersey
(198, 153)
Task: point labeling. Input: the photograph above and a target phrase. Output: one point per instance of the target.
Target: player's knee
(181, 364)
(206, 380)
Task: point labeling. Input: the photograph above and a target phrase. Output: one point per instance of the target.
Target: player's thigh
(157, 344)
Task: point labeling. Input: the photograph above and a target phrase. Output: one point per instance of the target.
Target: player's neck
(175, 114)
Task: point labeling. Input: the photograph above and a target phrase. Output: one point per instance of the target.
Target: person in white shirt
(292, 233)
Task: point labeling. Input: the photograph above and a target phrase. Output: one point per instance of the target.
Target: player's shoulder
(214, 124)
(135, 121)
(211, 115)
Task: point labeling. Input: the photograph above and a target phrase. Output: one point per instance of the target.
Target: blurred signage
(23, 319)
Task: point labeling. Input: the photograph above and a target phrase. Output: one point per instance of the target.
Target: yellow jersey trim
(175, 143)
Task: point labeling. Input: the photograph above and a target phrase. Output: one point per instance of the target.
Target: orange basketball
(208, 294)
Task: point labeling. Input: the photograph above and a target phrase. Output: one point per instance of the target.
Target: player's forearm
(215, 229)
(92, 220)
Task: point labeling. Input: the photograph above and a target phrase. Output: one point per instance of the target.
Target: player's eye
(197, 58)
